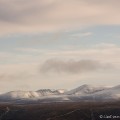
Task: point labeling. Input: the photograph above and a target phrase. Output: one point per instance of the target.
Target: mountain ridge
(84, 92)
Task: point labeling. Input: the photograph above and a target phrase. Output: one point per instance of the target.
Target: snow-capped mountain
(86, 89)
(31, 94)
(82, 93)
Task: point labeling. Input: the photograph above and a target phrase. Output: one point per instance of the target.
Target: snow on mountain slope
(61, 91)
(107, 94)
(86, 89)
(82, 93)
(31, 94)
(19, 95)
(44, 92)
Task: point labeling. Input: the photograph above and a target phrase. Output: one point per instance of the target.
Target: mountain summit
(86, 89)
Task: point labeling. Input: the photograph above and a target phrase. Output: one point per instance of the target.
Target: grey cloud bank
(72, 66)
(49, 15)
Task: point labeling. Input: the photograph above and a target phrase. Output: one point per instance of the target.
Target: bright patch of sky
(58, 40)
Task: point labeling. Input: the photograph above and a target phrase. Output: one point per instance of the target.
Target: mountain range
(82, 93)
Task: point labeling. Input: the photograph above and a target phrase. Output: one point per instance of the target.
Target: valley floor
(61, 111)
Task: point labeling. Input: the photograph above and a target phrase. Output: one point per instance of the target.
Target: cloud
(104, 52)
(99, 64)
(14, 77)
(51, 15)
(85, 34)
(71, 66)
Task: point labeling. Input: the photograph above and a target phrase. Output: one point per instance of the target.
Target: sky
(59, 44)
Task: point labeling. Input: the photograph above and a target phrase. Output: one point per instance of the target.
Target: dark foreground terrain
(61, 111)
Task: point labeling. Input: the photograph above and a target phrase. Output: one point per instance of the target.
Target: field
(61, 111)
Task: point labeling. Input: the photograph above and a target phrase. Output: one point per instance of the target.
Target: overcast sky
(59, 43)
